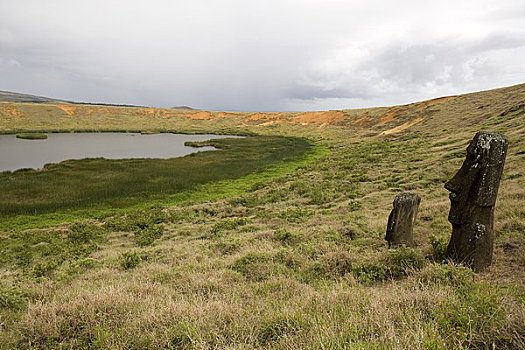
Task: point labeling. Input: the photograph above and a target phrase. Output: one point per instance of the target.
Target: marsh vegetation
(31, 136)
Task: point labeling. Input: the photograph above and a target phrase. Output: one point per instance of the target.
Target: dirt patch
(326, 118)
(364, 121)
(394, 114)
(151, 111)
(12, 111)
(264, 119)
(388, 117)
(88, 111)
(69, 110)
(198, 116)
(256, 118)
(402, 127)
(157, 112)
(223, 115)
(271, 122)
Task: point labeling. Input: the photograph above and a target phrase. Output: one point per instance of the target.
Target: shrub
(286, 237)
(449, 274)
(246, 264)
(276, 327)
(83, 239)
(145, 225)
(85, 233)
(137, 220)
(11, 298)
(181, 336)
(228, 224)
(354, 205)
(403, 260)
(295, 215)
(146, 236)
(39, 252)
(331, 265)
(256, 266)
(351, 231)
(319, 196)
(227, 246)
(439, 248)
(337, 263)
(129, 260)
(369, 273)
(87, 263)
(290, 259)
(42, 269)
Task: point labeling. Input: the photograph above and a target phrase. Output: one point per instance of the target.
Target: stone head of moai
(473, 192)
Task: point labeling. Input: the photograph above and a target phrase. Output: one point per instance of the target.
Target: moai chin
(473, 192)
(399, 229)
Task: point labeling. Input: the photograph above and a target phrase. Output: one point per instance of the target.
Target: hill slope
(15, 97)
(469, 108)
(294, 260)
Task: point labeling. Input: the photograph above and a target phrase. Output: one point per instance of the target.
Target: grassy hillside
(296, 259)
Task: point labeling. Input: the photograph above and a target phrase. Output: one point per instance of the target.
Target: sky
(265, 55)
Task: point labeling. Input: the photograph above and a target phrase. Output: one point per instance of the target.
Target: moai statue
(473, 192)
(399, 230)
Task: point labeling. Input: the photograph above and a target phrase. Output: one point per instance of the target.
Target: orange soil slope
(384, 120)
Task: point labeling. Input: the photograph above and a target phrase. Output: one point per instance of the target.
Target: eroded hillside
(470, 108)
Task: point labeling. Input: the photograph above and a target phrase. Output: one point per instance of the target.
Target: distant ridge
(183, 107)
(8, 96)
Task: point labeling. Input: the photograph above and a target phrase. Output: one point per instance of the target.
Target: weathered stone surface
(473, 192)
(399, 230)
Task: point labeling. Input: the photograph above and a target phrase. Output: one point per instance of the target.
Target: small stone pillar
(473, 192)
(399, 230)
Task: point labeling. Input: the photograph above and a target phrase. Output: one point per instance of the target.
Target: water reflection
(18, 153)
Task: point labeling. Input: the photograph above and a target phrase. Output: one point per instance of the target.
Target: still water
(18, 153)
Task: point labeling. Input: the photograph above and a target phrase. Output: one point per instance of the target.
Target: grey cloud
(239, 55)
(451, 61)
(403, 67)
(309, 92)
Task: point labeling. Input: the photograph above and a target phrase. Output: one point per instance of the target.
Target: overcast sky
(260, 55)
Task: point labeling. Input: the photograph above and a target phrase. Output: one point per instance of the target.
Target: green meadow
(276, 241)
